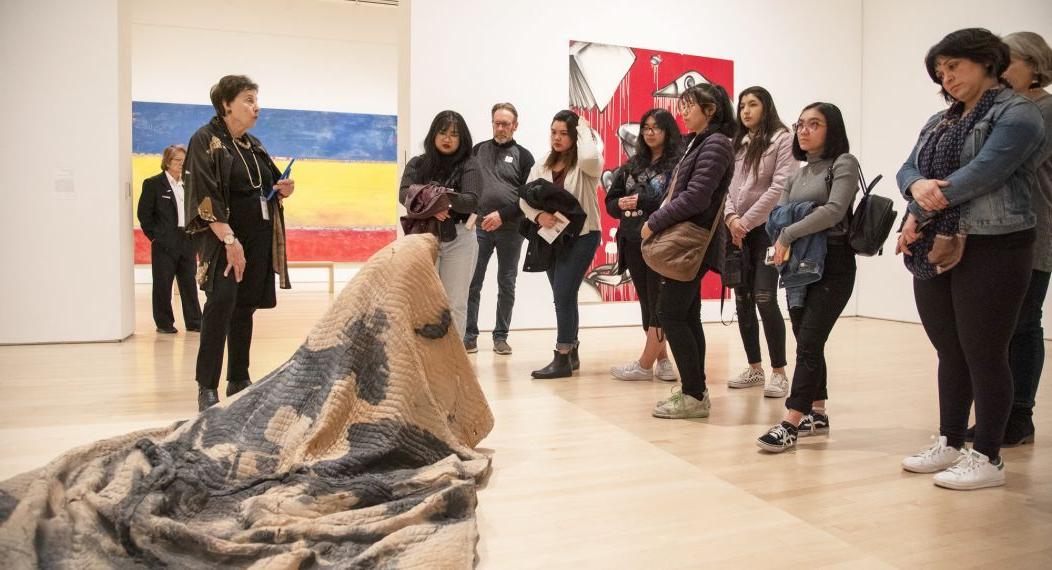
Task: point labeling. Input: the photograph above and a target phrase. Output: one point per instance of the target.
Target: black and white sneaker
(779, 438)
(813, 424)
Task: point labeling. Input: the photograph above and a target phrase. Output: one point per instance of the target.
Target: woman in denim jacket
(970, 174)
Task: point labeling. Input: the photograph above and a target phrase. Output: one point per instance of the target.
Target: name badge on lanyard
(263, 207)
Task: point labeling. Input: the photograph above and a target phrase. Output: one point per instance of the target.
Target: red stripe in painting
(311, 244)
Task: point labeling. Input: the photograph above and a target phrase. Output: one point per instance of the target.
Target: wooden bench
(318, 265)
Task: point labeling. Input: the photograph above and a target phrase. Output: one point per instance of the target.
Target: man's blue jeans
(508, 244)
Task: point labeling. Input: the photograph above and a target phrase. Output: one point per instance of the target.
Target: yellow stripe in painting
(329, 193)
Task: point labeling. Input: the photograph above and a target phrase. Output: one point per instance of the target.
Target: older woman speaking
(234, 207)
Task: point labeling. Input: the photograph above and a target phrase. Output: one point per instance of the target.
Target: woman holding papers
(234, 209)
(696, 194)
(573, 164)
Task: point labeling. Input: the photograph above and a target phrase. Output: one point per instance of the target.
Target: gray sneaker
(664, 371)
(501, 347)
(631, 371)
(777, 386)
(471, 346)
(748, 378)
(680, 406)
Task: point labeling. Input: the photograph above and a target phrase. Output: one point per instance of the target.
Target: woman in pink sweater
(764, 161)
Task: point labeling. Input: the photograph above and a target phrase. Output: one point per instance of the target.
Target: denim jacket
(998, 162)
(807, 256)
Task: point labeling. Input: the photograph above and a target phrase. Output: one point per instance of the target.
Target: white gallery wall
(897, 98)
(468, 54)
(65, 222)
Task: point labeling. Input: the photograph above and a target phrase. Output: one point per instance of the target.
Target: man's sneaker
(631, 371)
(813, 424)
(933, 459)
(501, 347)
(779, 438)
(973, 471)
(777, 386)
(748, 378)
(471, 346)
(664, 370)
(681, 406)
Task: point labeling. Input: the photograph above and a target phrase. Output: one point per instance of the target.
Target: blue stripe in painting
(285, 132)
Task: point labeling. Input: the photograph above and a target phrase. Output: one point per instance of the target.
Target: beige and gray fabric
(358, 452)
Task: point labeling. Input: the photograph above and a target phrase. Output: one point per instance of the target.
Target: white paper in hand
(549, 234)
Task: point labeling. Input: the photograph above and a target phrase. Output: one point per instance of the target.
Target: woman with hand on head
(573, 164)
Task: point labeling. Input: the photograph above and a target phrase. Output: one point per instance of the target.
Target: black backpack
(870, 224)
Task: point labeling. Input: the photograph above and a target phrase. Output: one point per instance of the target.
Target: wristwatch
(229, 239)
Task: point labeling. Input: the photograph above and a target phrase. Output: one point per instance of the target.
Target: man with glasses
(505, 165)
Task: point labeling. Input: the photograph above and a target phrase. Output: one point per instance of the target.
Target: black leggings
(646, 281)
(679, 308)
(969, 314)
(813, 323)
(760, 293)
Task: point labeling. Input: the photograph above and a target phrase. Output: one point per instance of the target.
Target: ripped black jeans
(761, 292)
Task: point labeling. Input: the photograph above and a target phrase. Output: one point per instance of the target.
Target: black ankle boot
(575, 359)
(559, 367)
(235, 386)
(1020, 430)
(206, 398)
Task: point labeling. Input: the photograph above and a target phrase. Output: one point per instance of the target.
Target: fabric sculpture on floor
(357, 452)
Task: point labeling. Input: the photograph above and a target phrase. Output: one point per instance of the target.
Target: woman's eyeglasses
(809, 126)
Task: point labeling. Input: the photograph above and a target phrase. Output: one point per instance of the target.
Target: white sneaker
(973, 471)
(777, 386)
(748, 378)
(665, 372)
(936, 458)
(682, 406)
(631, 371)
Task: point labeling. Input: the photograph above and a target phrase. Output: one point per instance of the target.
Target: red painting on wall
(612, 86)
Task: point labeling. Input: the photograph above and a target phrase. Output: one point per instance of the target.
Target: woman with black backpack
(812, 224)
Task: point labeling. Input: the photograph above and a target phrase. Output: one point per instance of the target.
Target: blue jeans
(565, 275)
(508, 244)
(1026, 352)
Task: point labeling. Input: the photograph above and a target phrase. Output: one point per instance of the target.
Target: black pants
(1026, 353)
(646, 281)
(813, 323)
(760, 293)
(679, 310)
(179, 266)
(969, 314)
(227, 317)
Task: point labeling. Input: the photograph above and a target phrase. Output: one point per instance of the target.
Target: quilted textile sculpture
(356, 453)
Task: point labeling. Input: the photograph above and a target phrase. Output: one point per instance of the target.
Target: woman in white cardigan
(574, 164)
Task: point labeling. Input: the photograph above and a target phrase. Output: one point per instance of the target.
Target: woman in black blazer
(161, 216)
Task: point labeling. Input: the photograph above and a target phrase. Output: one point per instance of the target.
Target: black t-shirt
(246, 213)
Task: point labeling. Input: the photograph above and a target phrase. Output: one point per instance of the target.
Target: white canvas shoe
(681, 406)
(973, 471)
(664, 371)
(748, 378)
(777, 386)
(632, 371)
(935, 458)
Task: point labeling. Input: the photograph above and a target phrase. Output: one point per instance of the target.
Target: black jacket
(465, 182)
(158, 217)
(505, 167)
(543, 195)
(206, 174)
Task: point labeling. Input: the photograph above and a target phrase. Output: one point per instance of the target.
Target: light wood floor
(584, 477)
